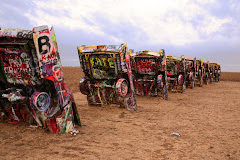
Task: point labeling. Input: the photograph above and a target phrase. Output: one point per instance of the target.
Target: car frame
(190, 72)
(32, 86)
(206, 73)
(108, 75)
(217, 72)
(212, 72)
(150, 74)
(176, 73)
(199, 72)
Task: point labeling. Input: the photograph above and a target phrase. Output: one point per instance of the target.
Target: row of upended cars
(33, 90)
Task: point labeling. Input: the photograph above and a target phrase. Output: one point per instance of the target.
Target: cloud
(73, 15)
(206, 1)
(12, 14)
(212, 24)
(159, 21)
(207, 29)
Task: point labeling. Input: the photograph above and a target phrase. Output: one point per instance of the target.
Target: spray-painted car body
(108, 75)
(176, 73)
(32, 86)
(190, 72)
(217, 72)
(212, 71)
(199, 72)
(150, 74)
(206, 73)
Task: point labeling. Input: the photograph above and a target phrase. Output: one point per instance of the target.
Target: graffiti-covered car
(150, 74)
(32, 86)
(199, 72)
(212, 71)
(190, 72)
(176, 73)
(206, 73)
(217, 72)
(108, 76)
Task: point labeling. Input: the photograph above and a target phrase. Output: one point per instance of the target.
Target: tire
(122, 87)
(41, 101)
(180, 79)
(55, 106)
(83, 86)
(160, 80)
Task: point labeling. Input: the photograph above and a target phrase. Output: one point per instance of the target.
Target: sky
(205, 29)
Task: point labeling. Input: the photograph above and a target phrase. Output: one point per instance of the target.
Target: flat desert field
(207, 119)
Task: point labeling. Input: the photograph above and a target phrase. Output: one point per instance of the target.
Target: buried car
(206, 73)
(176, 73)
(212, 71)
(150, 74)
(108, 76)
(32, 86)
(217, 72)
(199, 72)
(190, 72)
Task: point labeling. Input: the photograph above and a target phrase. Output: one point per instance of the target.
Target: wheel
(55, 104)
(83, 86)
(122, 87)
(41, 100)
(160, 80)
(182, 83)
(180, 79)
(45, 104)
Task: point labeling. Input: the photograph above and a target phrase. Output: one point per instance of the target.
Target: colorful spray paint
(31, 74)
(150, 76)
(108, 77)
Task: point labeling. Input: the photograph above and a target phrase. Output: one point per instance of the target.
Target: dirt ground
(207, 119)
